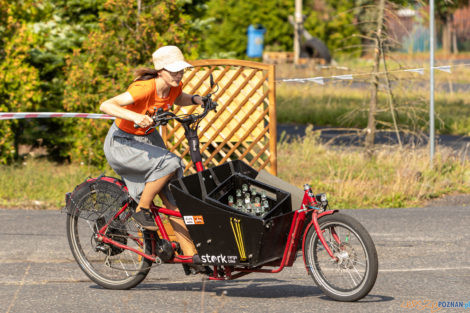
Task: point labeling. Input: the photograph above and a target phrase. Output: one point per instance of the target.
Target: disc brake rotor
(347, 257)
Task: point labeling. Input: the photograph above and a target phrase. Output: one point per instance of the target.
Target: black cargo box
(224, 235)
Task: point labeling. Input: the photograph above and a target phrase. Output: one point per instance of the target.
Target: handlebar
(163, 117)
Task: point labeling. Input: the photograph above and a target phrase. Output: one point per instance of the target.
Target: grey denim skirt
(140, 159)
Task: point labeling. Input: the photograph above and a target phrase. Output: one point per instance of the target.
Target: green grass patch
(348, 107)
(392, 178)
(346, 103)
(38, 183)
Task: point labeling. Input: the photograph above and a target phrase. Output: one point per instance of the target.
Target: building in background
(408, 29)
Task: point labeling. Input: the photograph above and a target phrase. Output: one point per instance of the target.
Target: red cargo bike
(235, 239)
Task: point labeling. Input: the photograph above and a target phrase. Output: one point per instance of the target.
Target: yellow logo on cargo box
(237, 232)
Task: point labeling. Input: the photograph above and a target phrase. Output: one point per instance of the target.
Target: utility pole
(298, 21)
(431, 80)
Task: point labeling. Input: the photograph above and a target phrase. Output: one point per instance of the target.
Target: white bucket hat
(169, 58)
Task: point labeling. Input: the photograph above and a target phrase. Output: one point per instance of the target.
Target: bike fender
(89, 181)
(108, 179)
(111, 180)
(308, 228)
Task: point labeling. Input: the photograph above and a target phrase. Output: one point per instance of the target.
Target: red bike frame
(295, 234)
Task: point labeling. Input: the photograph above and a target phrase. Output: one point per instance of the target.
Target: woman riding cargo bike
(116, 233)
(138, 154)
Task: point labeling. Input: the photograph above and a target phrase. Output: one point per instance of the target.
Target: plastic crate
(279, 201)
(224, 235)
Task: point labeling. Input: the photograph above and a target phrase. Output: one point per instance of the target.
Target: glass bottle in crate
(264, 202)
(240, 205)
(238, 195)
(230, 201)
(253, 195)
(265, 206)
(263, 196)
(247, 204)
(244, 188)
(257, 206)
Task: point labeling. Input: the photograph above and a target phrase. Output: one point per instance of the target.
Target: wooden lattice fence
(244, 126)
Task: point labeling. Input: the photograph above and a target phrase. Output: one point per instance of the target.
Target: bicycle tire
(108, 266)
(354, 275)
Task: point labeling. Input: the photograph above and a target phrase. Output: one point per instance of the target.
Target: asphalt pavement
(424, 259)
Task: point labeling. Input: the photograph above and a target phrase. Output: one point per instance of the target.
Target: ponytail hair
(145, 73)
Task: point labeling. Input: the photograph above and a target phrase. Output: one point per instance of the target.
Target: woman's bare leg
(180, 230)
(153, 188)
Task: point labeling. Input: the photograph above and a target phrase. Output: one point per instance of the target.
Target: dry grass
(392, 178)
(340, 103)
(37, 183)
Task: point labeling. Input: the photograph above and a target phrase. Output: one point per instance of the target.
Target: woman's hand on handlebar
(143, 121)
(197, 99)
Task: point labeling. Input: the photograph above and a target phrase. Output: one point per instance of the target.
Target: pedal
(196, 259)
(177, 247)
(187, 270)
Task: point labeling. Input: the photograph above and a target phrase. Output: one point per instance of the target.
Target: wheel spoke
(354, 284)
(357, 272)
(360, 263)
(92, 226)
(124, 268)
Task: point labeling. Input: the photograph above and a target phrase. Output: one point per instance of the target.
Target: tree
(371, 121)
(63, 27)
(232, 18)
(19, 80)
(334, 23)
(128, 33)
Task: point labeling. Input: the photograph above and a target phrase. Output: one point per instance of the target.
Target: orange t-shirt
(146, 101)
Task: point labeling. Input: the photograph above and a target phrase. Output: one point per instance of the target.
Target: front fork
(319, 232)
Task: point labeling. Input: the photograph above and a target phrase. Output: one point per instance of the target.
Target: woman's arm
(185, 99)
(114, 107)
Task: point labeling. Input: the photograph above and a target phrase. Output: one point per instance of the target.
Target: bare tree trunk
(447, 34)
(371, 122)
(455, 48)
(391, 100)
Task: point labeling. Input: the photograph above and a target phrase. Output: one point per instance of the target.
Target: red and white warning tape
(18, 115)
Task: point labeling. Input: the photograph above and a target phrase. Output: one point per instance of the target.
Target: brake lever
(207, 101)
(147, 131)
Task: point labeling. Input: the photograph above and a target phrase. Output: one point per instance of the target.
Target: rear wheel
(353, 274)
(107, 265)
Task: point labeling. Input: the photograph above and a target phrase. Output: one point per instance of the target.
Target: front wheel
(352, 275)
